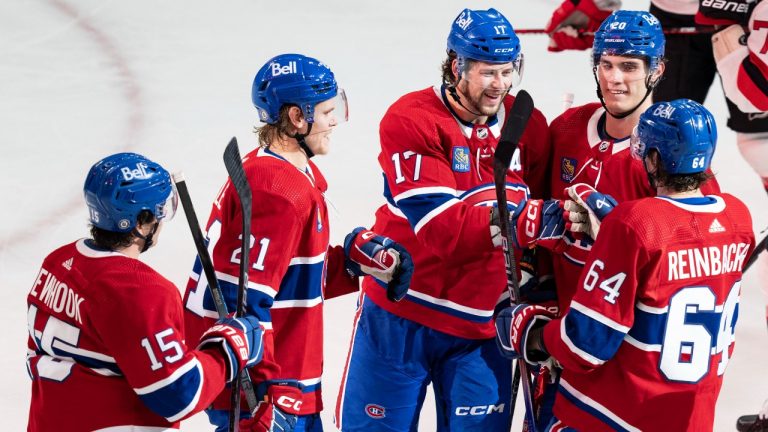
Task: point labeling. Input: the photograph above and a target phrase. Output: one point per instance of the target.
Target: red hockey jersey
(582, 154)
(106, 346)
(438, 179)
(292, 270)
(651, 326)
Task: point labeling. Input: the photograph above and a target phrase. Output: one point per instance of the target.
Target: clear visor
(166, 210)
(636, 147)
(491, 76)
(330, 113)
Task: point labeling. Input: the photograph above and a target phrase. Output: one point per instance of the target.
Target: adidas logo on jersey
(68, 263)
(715, 227)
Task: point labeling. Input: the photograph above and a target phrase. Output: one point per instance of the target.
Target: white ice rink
(83, 79)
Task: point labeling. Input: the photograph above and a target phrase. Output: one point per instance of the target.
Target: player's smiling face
(319, 139)
(485, 84)
(622, 81)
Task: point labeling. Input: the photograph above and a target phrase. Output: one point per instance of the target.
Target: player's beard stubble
(485, 101)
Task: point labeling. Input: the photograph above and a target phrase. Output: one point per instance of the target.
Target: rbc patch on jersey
(568, 169)
(319, 222)
(460, 159)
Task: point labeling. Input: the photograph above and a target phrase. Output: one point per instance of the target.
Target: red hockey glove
(239, 339)
(381, 257)
(568, 23)
(537, 222)
(279, 409)
(513, 332)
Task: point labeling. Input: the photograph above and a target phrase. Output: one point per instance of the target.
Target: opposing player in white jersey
(106, 332)
(649, 332)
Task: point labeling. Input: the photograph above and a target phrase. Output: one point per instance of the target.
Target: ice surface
(172, 79)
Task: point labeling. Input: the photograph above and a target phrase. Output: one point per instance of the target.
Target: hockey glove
(725, 13)
(240, 339)
(279, 407)
(381, 257)
(588, 208)
(513, 332)
(535, 289)
(537, 222)
(570, 21)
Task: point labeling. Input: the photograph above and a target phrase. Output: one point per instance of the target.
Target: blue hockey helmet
(292, 79)
(635, 33)
(483, 35)
(682, 131)
(120, 186)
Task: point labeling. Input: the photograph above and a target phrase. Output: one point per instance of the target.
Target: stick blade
(513, 129)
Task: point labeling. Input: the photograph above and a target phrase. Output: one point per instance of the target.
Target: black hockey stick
(234, 165)
(210, 272)
(513, 129)
(759, 248)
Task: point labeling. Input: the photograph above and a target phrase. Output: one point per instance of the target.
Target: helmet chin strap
(302, 143)
(649, 86)
(148, 238)
(455, 95)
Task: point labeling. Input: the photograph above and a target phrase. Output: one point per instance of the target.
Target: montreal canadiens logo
(375, 411)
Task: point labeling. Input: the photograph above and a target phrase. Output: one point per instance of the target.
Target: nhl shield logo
(568, 169)
(460, 159)
(482, 133)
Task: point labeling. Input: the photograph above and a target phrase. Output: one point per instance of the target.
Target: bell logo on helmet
(140, 173)
(664, 111)
(278, 69)
(650, 19)
(464, 20)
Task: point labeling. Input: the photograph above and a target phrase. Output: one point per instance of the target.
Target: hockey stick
(668, 31)
(210, 272)
(759, 248)
(234, 165)
(513, 129)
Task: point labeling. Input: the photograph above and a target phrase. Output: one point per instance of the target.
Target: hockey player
(590, 143)
(294, 270)
(106, 336)
(437, 148)
(654, 317)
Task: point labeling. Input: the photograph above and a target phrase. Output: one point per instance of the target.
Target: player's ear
(296, 117)
(657, 73)
(455, 69)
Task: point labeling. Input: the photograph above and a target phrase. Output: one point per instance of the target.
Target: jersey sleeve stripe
(594, 340)
(307, 260)
(285, 304)
(432, 214)
(425, 191)
(175, 396)
(302, 282)
(602, 319)
(266, 289)
(597, 410)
